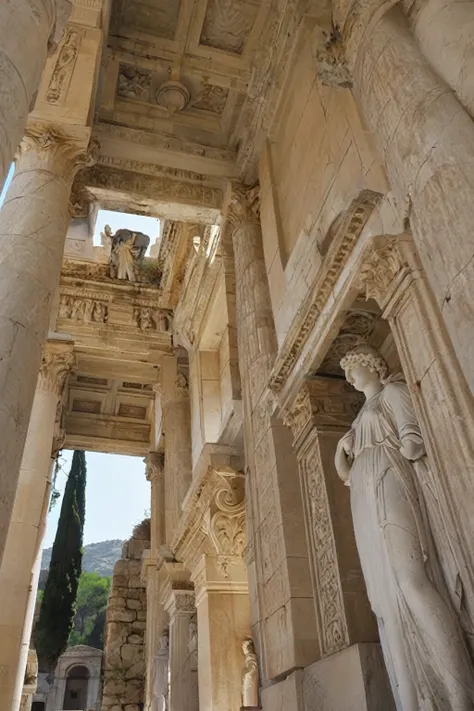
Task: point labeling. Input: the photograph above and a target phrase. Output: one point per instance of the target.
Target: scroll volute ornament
(226, 521)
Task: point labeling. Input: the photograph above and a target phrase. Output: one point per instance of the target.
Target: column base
(318, 687)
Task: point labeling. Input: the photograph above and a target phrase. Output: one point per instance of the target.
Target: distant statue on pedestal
(249, 676)
(159, 691)
(382, 459)
(127, 250)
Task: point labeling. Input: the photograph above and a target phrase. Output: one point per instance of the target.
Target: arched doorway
(75, 696)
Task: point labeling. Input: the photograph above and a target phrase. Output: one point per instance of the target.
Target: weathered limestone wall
(124, 652)
(318, 160)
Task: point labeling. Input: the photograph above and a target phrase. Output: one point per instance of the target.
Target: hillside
(98, 557)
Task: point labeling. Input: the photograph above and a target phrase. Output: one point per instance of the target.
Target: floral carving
(64, 67)
(329, 53)
(133, 83)
(155, 465)
(379, 271)
(56, 365)
(244, 207)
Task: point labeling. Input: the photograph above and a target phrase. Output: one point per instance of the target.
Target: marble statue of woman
(423, 647)
(250, 675)
(159, 692)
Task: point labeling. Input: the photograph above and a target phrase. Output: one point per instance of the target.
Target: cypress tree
(58, 606)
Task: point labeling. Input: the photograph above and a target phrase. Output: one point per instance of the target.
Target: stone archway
(77, 684)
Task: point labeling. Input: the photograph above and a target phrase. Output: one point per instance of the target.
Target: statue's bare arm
(343, 457)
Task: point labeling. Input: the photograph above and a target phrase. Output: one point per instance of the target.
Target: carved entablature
(213, 521)
(342, 245)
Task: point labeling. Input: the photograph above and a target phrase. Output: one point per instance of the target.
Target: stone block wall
(124, 650)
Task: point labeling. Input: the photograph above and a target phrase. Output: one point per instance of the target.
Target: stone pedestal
(283, 619)
(427, 141)
(183, 678)
(28, 521)
(27, 29)
(32, 233)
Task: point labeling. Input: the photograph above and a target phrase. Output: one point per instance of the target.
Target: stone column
(28, 28)
(427, 141)
(321, 414)
(177, 434)
(277, 546)
(28, 522)
(155, 463)
(32, 234)
(223, 616)
(444, 31)
(183, 679)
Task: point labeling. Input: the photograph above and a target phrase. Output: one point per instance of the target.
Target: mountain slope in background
(98, 557)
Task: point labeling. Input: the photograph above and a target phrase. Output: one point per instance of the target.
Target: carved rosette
(50, 148)
(244, 206)
(57, 362)
(155, 465)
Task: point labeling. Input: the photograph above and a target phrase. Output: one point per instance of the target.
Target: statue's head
(108, 230)
(164, 640)
(363, 364)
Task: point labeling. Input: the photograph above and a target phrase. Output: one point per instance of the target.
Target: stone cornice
(342, 245)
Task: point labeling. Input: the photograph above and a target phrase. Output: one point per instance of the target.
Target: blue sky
(117, 497)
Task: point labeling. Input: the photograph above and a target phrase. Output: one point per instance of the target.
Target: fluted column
(33, 225)
(183, 678)
(28, 28)
(277, 547)
(177, 435)
(28, 522)
(155, 474)
(427, 141)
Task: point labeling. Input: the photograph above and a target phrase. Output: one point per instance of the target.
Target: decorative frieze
(64, 67)
(148, 319)
(85, 310)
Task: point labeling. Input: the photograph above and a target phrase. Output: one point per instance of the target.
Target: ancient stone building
(312, 167)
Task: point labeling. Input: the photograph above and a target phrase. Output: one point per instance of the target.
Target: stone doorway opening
(77, 684)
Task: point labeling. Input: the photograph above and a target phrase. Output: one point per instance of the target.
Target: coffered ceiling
(181, 67)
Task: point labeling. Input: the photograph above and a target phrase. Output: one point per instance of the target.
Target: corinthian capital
(155, 465)
(50, 148)
(58, 360)
(244, 205)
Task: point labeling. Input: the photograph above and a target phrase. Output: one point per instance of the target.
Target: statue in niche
(127, 250)
(249, 676)
(193, 643)
(159, 691)
(382, 459)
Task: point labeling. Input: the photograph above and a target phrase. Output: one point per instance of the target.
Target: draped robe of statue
(387, 492)
(159, 694)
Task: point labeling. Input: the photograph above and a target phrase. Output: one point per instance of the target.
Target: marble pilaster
(32, 233)
(183, 678)
(19, 570)
(155, 474)
(321, 414)
(427, 141)
(28, 28)
(283, 620)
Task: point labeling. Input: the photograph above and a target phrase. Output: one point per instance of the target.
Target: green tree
(91, 603)
(58, 606)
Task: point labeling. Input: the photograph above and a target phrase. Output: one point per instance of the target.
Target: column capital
(322, 403)
(155, 465)
(49, 147)
(386, 270)
(181, 601)
(244, 205)
(57, 361)
(330, 57)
